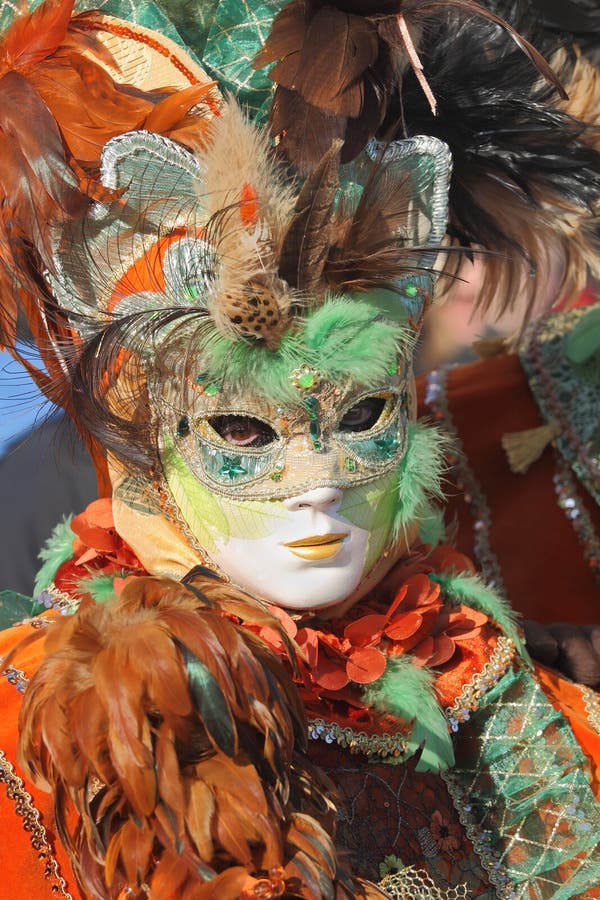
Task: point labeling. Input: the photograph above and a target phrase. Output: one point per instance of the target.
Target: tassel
(496, 345)
(522, 448)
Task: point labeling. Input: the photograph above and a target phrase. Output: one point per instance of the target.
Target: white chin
(317, 590)
(283, 579)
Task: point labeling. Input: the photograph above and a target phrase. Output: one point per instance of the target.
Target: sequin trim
(591, 702)
(53, 598)
(436, 399)
(389, 747)
(481, 840)
(468, 702)
(570, 502)
(25, 809)
(565, 393)
(14, 676)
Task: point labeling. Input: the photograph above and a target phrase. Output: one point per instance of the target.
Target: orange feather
(35, 36)
(119, 703)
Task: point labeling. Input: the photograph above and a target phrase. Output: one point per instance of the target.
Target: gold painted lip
(317, 546)
(316, 540)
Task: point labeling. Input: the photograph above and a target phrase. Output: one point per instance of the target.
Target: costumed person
(271, 679)
(524, 428)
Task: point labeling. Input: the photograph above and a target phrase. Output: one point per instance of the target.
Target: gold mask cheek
(372, 507)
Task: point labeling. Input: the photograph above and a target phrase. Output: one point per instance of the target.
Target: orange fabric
(545, 574)
(568, 698)
(22, 871)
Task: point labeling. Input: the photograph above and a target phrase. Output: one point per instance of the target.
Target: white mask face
(305, 552)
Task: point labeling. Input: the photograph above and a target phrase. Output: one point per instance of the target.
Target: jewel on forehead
(312, 407)
(411, 290)
(305, 378)
(311, 404)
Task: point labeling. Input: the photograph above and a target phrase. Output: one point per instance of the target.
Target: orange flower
(356, 648)
(447, 835)
(97, 540)
(97, 549)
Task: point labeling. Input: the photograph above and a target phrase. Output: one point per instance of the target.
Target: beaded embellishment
(412, 884)
(494, 669)
(386, 747)
(437, 400)
(25, 809)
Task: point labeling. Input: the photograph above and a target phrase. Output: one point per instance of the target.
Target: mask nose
(325, 499)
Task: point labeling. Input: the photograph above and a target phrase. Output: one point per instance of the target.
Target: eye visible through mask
(274, 453)
(364, 415)
(243, 431)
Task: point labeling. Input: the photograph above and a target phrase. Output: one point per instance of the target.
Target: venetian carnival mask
(272, 325)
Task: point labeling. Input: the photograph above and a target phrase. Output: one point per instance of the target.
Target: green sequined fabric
(566, 393)
(522, 789)
(15, 607)
(237, 32)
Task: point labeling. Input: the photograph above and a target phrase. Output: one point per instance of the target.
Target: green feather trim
(57, 550)
(419, 476)
(433, 527)
(407, 692)
(470, 590)
(342, 339)
(100, 587)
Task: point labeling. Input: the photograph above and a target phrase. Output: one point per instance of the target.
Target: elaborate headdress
(156, 232)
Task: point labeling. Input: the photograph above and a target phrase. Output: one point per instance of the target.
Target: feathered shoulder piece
(172, 739)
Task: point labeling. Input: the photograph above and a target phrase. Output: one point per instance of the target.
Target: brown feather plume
(368, 251)
(307, 242)
(339, 64)
(176, 737)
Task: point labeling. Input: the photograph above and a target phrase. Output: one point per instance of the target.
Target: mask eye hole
(364, 415)
(243, 431)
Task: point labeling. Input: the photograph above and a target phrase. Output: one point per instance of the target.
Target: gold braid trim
(15, 791)
(592, 706)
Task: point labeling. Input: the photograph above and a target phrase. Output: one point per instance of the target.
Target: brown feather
(172, 810)
(373, 238)
(305, 132)
(340, 64)
(200, 809)
(169, 877)
(136, 846)
(306, 244)
(337, 49)
(170, 785)
(559, 240)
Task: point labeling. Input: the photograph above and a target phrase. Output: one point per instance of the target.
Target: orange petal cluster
(355, 649)
(97, 549)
